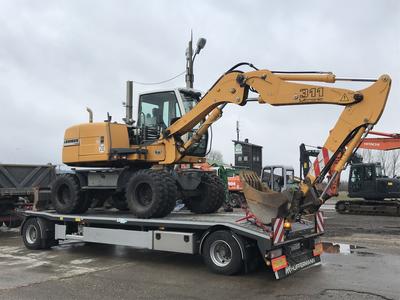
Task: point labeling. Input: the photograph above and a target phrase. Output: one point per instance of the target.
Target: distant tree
(215, 156)
(383, 158)
(394, 162)
(367, 155)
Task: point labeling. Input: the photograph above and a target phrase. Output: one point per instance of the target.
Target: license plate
(294, 267)
(294, 247)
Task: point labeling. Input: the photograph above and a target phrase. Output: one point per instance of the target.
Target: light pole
(189, 78)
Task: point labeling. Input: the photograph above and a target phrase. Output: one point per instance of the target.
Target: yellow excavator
(136, 163)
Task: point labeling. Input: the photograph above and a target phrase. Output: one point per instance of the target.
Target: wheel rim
(63, 194)
(144, 194)
(31, 234)
(234, 201)
(220, 253)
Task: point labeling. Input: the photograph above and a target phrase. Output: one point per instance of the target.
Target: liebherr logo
(303, 264)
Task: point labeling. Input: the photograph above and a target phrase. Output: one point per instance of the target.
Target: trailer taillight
(287, 225)
(279, 263)
(318, 249)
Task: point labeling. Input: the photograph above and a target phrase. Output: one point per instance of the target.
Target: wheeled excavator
(136, 162)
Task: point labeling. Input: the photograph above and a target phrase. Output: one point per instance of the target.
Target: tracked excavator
(135, 162)
(372, 191)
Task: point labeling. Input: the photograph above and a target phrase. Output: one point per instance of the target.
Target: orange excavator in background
(386, 141)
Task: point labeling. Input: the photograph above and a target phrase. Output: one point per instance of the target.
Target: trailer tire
(222, 254)
(211, 196)
(66, 195)
(32, 234)
(151, 193)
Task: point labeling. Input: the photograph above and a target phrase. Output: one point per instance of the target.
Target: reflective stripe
(279, 232)
(319, 220)
(320, 162)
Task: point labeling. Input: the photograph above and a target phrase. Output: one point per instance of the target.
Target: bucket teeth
(264, 203)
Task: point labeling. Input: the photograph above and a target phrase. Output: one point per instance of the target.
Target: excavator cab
(367, 181)
(159, 109)
(277, 178)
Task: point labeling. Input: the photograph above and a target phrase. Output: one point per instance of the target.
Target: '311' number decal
(311, 94)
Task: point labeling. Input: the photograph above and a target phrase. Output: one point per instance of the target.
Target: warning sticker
(344, 98)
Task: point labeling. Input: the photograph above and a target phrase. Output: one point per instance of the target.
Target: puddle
(346, 249)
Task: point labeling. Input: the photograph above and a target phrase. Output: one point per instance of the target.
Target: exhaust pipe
(90, 114)
(129, 103)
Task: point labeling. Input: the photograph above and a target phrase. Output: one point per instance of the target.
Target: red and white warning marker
(279, 232)
(321, 161)
(319, 221)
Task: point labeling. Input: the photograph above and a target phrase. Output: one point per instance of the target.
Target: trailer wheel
(151, 193)
(66, 195)
(31, 234)
(211, 195)
(221, 253)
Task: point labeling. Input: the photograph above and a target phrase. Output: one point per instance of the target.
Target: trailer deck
(184, 232)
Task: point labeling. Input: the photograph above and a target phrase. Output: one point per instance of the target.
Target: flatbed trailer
(228, 242)
(23, 187)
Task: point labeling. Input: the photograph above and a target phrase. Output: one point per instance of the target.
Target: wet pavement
(361, 262)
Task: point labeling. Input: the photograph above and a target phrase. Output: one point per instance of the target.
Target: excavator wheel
(66, 195)
(151, 194)
(211, 196)
(119, 202)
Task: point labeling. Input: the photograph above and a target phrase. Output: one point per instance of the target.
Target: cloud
(56, 58)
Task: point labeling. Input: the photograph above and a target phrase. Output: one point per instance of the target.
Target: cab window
(266, 176)
(368, 173)
(355, 175)
(158, 109)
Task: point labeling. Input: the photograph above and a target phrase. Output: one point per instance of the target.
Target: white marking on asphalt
(81, 261)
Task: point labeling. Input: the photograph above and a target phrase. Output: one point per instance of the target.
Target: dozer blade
(264, 203)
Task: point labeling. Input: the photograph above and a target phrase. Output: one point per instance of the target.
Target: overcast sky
(57, 57)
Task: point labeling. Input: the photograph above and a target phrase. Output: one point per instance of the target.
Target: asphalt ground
(363, 263)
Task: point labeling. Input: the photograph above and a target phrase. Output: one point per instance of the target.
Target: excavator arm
(362, 110)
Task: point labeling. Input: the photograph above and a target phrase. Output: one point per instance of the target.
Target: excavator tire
(173, 193)
(119, 202)
(151, 194)
(211, 196)
(66, 195)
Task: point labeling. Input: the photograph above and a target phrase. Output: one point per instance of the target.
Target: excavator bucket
(264, 203)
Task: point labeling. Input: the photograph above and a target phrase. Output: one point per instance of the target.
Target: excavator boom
(362, 110)
(386, 141)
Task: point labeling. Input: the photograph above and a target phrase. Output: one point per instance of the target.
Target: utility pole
(190, 57)
(189, 63)
(237, 130)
